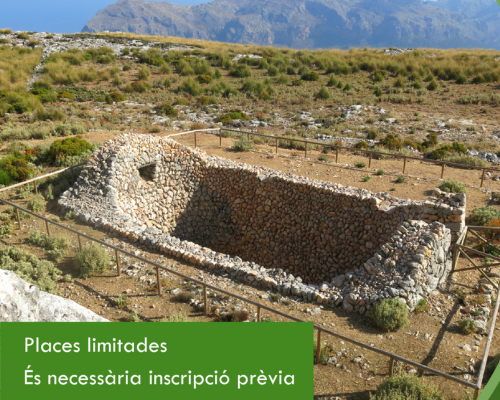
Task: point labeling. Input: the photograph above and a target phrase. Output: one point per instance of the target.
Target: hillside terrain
(312, 24)
(63, 96)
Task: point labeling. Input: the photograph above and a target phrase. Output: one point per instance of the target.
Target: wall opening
(148, 172)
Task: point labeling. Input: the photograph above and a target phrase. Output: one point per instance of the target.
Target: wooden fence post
(305, 147)
(482, 177)
(195, 144)
(80, 242)
(442, 170)
(158, 283)
(318, 346)
(337, 155)
(18, 219)
(404, 165)
(391, 366)
(258, 314)
(370, 161)
(117, 255)
(205, 300)
(47, 226)
(220, 138)
(276, 145)
(36, 188)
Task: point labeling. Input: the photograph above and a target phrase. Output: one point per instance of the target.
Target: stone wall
(284, 226)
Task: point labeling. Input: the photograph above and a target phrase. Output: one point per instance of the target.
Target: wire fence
(370, 153)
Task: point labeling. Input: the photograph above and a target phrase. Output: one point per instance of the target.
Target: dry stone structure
(321, 241)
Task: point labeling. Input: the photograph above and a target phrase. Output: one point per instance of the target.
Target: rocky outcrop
(312, 23)
(21, 301)
(317, 240)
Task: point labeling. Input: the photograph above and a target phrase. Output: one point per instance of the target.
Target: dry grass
(16, 65)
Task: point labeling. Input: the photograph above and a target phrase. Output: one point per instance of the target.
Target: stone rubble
(320, 241)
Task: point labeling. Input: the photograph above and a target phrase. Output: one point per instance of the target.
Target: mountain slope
(313, 23)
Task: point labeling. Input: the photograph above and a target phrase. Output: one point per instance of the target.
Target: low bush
(46, 242)
(240, 71)
(360, 165)
(465, 159)
(422, 306)
(166, 109)
(235, 316)
(404, 387)
(140, 86)
(362, 145)
(183, 297)
(122, 301)
(323, 94)
(190, 86)
(92, 260)
(444, 151)
(480, 216)
(391, 142)
(310, 76)
(452, 186)
(37, 203)
(115, 97)
(380, 172)
(30, 268)
(59, 150)
(492, 365)
(243, 145)
(467, 326)
(204, 79)
(143, 73)
(390, 315)
(366, 178)
(400, 179)
(176, 318)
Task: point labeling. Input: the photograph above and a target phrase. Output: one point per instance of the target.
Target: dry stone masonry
(318, 240)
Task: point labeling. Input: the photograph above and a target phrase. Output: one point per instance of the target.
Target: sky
(57, 16)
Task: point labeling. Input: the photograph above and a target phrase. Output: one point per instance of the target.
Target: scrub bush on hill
(402, 387)
(61, 149)
(17, 167)
(30, 268)
(166, 109)
(92, 260)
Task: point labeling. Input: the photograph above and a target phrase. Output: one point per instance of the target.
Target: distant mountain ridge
(313, 23)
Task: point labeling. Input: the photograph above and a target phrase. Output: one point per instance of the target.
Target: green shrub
(391, 142)
(140, 86)
(433, 85)
(400, 179)
(191, 87)
(465, 159)
(297, 82)
(69, 216)
(133, 316)
(390, 315)
(243, 145)
(366, 178)
(6, 230)
(240, 71)
(47, 242)
(467, 326)
(30, 268)
(115, 97)
(452, 186)
(176, 318)
(360, 165)
(122, 301)
(310, 76)
(203, 79)
(5, 178)
(404, 387)
(37, 203)
(362, 145)
(235, 316)
(378, 92)
(380, 172)
(166, 109)
(92, 260)
(143, 73)
(323, 94)
(422, 306)
(52, 114)
(59, 150)
(323, 357)
(332, 81)
(480, 216)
